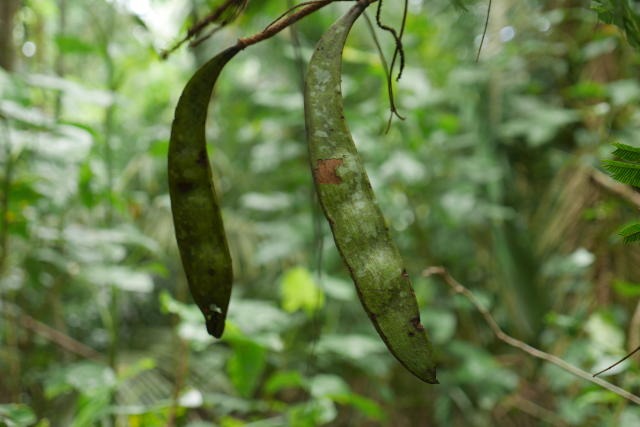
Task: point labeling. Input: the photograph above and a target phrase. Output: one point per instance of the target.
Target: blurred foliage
(623, 13)
(491, 175)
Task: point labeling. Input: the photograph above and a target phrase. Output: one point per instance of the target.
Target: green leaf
(630, 232)
(71, 44)
(168, 304)
(121, 277)
(623, 92)
(16, 415)
(311, 414)
(91, 378)
(338, 390)
(366, 407)
(337, 288)
(326, 385)
(442, 322)
(246, 365)
(90, 409)
(25, 114)
(626, 289)
(594, 397)
(538, 122)
(627, 152)
(136, 368)
(355, 347)
(272, 319)
(274, 202)
(605, 332)
(283, 380)
(627, 173)
(300, 292)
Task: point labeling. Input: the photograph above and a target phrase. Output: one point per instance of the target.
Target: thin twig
(484, 31)
(502, 336)
(50, 334)
(213, 17)
(533, 409)
(387, 73)
(618, 362)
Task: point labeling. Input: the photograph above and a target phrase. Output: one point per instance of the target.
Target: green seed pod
(357, 224)
(194, 204)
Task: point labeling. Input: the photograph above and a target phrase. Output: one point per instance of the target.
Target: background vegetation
(495, 174)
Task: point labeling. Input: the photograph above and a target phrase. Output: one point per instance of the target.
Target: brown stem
(623, 191)
(502, 336)
(4, 196)
(280, 25)
(182, 356)
(60, 56)
(15, 368)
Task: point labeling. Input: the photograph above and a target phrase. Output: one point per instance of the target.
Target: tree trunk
(8, 9)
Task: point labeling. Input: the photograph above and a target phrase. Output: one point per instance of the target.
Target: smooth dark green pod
(358, 226)
(196, 212)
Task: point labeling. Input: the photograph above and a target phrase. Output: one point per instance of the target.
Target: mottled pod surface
(196, 211)
(358, 227)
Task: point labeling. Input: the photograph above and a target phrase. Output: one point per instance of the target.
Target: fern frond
(627, 152)
(627, 173)
(630, 232)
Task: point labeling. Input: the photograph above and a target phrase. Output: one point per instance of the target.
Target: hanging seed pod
(348, 202)
(196, 212)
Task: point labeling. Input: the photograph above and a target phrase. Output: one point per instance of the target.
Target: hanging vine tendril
(397, 37)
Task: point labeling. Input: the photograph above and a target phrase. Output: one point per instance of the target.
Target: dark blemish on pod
(185, 186)
(416, 324)
(202, 158)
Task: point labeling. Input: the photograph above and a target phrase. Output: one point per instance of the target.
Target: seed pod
(348, 202)
(194, 204)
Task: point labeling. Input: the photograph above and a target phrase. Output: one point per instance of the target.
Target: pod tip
(215, 327)
(430, 376)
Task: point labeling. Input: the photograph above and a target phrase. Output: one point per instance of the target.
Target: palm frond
(626, 152)
(625, 172)
(630, 232)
